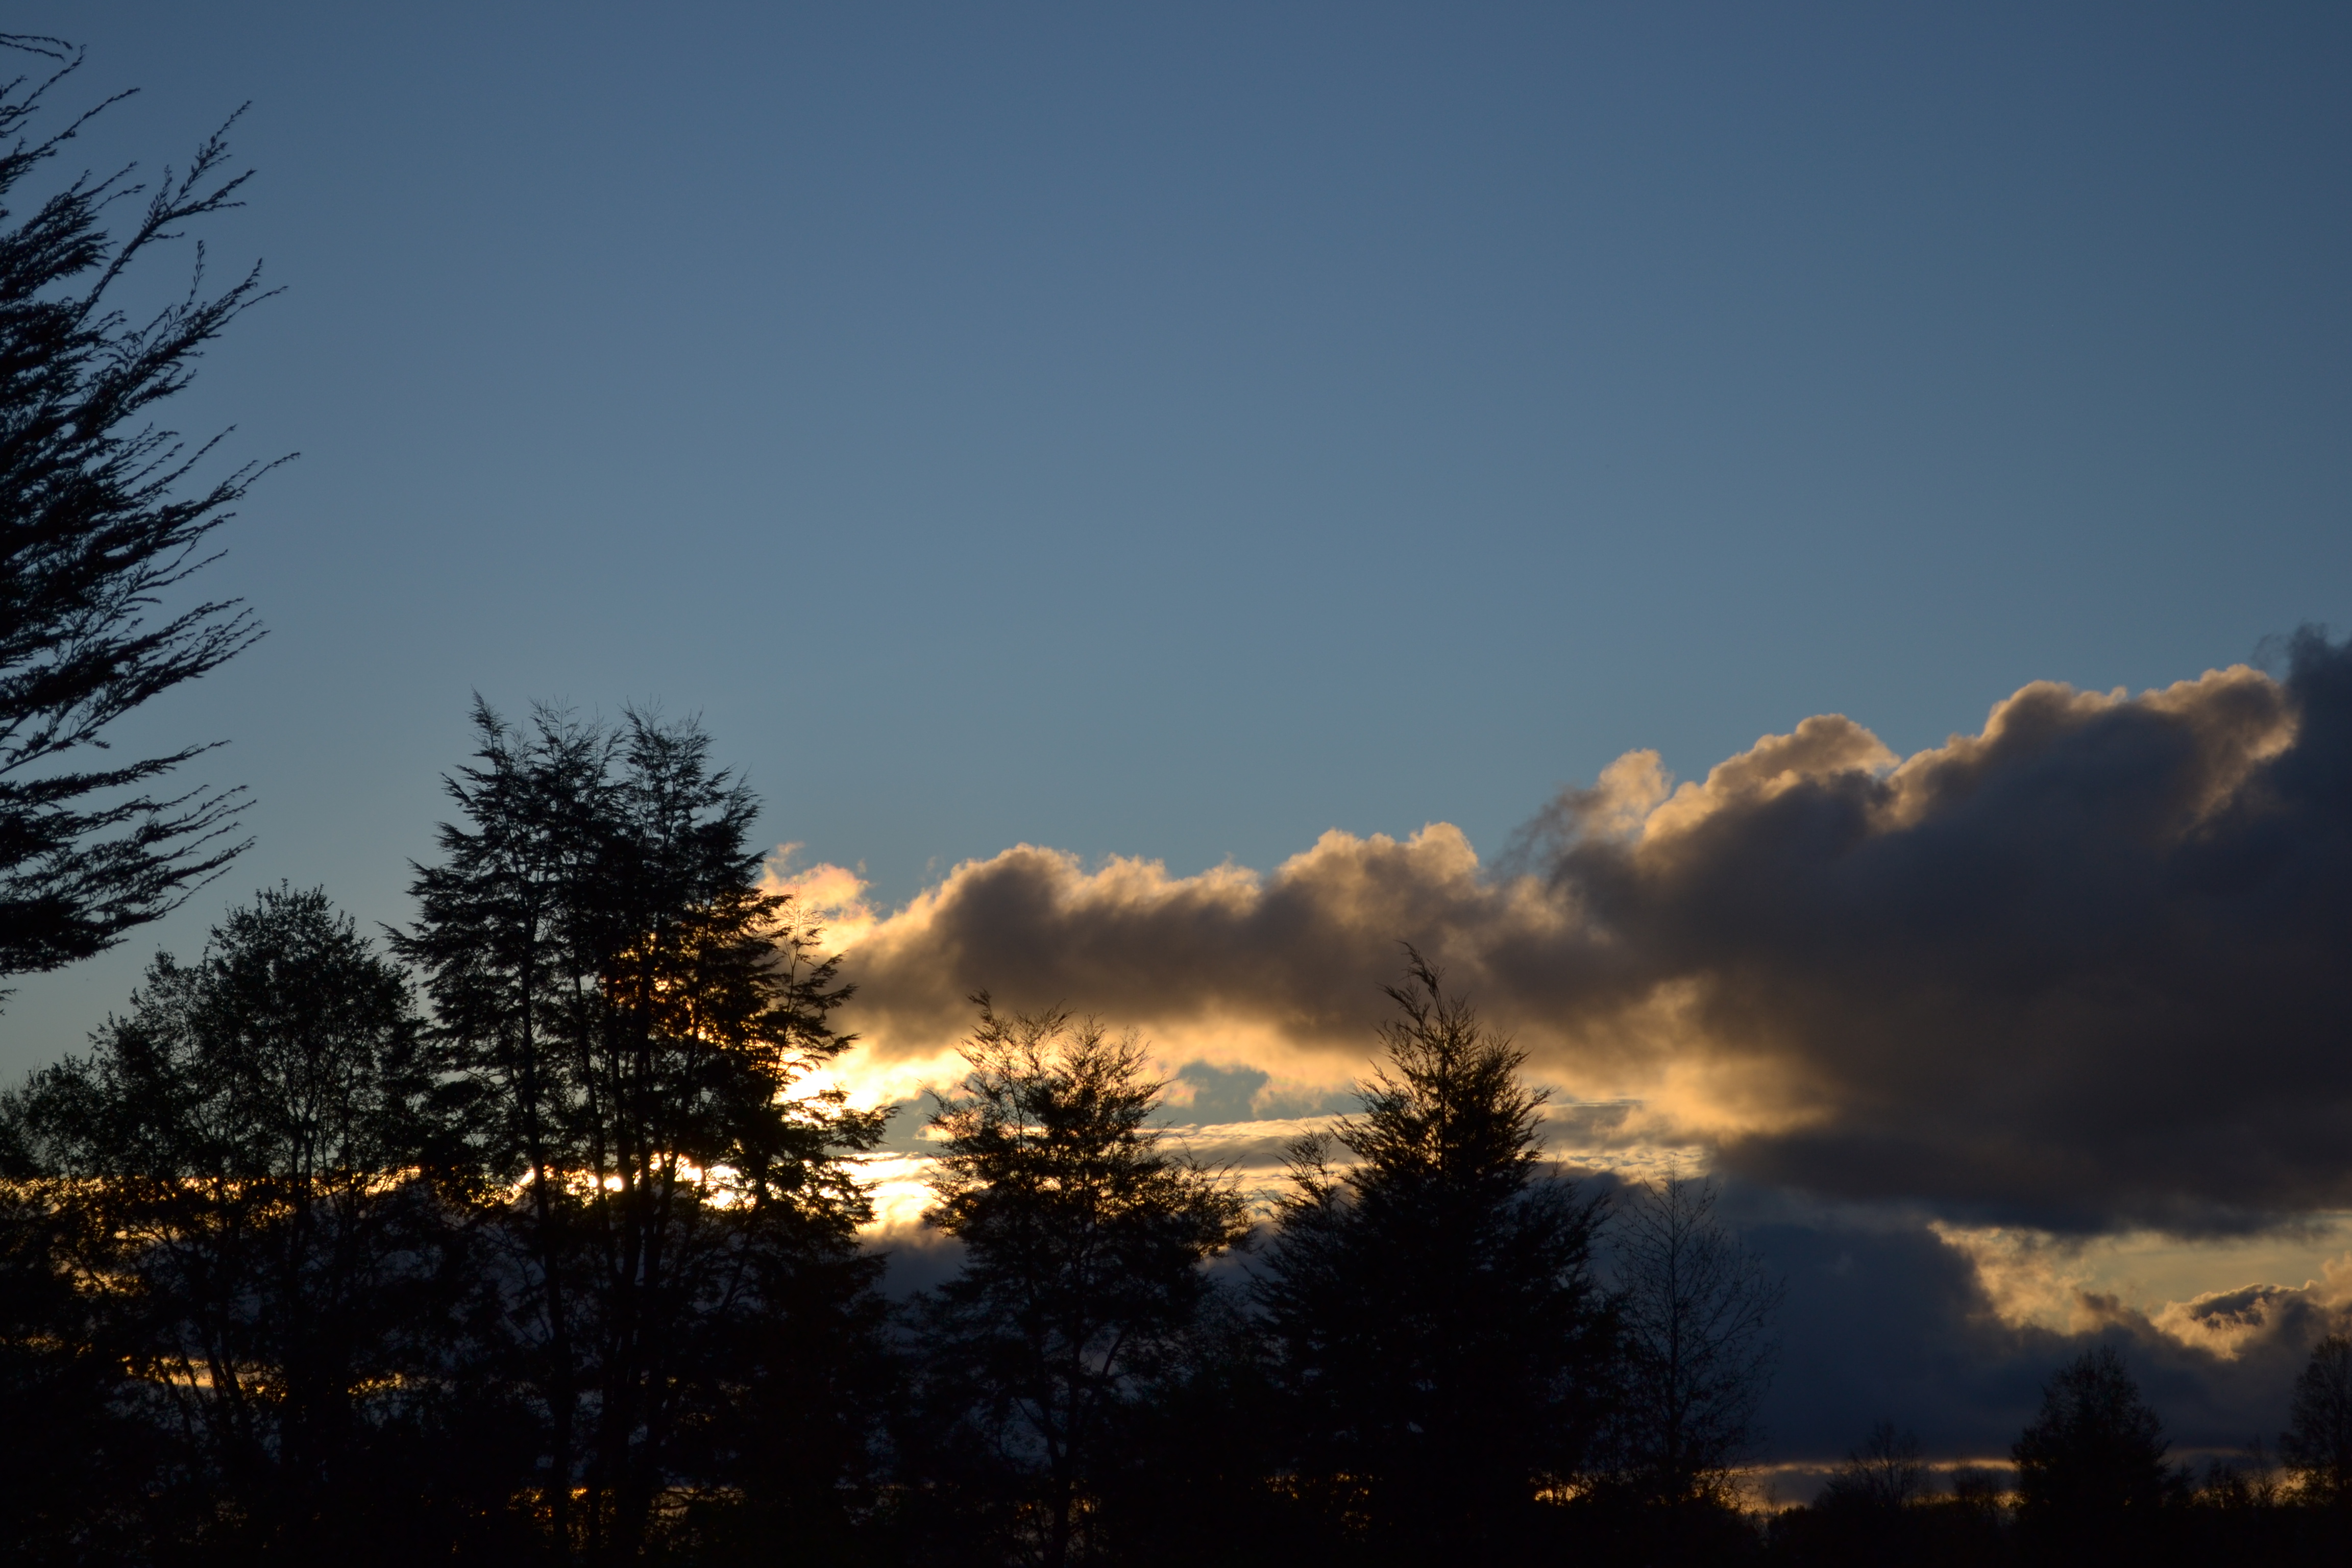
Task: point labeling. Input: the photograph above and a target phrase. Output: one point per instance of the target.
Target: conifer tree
(629, 1022)
(102, 519)
(1084, 1230)
(1432, 1304)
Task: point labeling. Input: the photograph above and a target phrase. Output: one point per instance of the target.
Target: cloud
(1886, 1319)
(2083, 970)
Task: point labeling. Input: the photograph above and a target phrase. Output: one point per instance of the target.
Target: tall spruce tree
(629, 1022)
(1436, 1321)
(103, 520)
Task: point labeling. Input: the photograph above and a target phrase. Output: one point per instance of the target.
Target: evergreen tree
(1435, 1322)
(629, 1022)
(1083, 1232)
(101, 519)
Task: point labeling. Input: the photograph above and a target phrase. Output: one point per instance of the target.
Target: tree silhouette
(76, 1463)
(2091, 1470)
(1432, 1307)
(628, 1022)
(249, 1148)
(100, 522)
(2317, 1443)
(1884, 1473)
(1697, 1310)
(1084, 1231)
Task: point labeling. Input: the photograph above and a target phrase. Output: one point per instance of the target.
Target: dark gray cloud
(1884, 1320)
(2083, 970)
(2089, 966)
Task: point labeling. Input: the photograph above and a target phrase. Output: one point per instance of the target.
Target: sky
(1165, 503)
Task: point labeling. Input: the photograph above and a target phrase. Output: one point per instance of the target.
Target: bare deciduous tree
(1884, 1473)
(1698, 1310)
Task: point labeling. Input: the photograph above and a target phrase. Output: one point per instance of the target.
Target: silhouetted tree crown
(1084, 1230)
(2095, 1448)
(103, 520)
(628, 1020)
(1885, 1473)
(2317, 1443)
(240, 1158)
(1432, 1314)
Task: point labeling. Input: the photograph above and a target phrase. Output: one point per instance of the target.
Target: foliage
(2095, 1446)
(629, 1023)
(1084, 1230)
(100, 522)
(243, 1165)
(1434, 1322)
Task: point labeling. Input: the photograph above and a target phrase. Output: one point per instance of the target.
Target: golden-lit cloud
(2081, 969)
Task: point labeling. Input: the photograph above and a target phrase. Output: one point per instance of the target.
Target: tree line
(527, 1232)
(524, 1234)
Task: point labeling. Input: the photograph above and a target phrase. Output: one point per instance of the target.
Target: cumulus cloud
(2083, 969)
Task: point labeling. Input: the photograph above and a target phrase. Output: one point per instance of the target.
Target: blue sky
(1175, 432)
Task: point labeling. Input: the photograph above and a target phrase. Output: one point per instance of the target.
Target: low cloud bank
(1885, 1320)
(2086, 969)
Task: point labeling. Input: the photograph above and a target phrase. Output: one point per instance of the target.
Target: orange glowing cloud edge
(1673, 1088)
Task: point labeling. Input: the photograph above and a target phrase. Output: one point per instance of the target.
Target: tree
(74, 1463)
(2095, 1450)
(502, 943)
(1084, 1231)
(1432, 1307)
(2317, 1443)
(629, 1022)
(1885, 1473)
(249, 1153)
(1697, 1310)
(101, 521)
